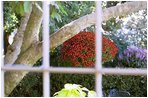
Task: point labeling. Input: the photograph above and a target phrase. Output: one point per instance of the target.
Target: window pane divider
(98, 37)
(104, 71)
(46, 47)
(46, 69)
(2, 49)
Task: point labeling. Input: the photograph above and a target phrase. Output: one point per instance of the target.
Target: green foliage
(111, 25)
(121, 44)
(31, 85)
(63, 12)
(11, 20)
(74, 90)
(21, 7)
(135, 85)
(27, 6)
(13, 12)
(58, 80)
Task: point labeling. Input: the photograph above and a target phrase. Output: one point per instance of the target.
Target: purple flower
(133, 51)
(139, 53)
(134, 56)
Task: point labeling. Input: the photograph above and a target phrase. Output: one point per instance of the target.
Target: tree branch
(124, 9)
(33, 26)
(71, 29)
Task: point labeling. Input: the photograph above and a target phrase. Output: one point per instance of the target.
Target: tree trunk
(14, 49)
(25, 43)
(34, 51)
(12, 79)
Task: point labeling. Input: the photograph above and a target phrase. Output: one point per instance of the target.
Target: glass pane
(59, 80)
(74, 51)
(120, 86)
(129, 34)
(30, 86)
(20, 32)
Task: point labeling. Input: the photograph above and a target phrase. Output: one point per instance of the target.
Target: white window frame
(46, 69)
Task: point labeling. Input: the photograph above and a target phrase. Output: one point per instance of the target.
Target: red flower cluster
(80, 49)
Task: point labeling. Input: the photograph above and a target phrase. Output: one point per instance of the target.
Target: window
(46, 69)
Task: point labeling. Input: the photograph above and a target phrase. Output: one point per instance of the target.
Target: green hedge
(31, 85)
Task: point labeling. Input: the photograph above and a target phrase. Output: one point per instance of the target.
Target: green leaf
(62, 8)
(53, 14)
(68, 86)
(75, 93)
(21, 11)
(83, 94)
(18, 8)
(62, 93)
(84, 51)
(85, 89)
(58, 17)
(27, 6)
(91, 94)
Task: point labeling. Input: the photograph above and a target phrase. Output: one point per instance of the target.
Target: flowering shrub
(133, 57)
(80, 49)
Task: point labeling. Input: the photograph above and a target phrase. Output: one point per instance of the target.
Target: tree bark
(31, 55)
(32, 30)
